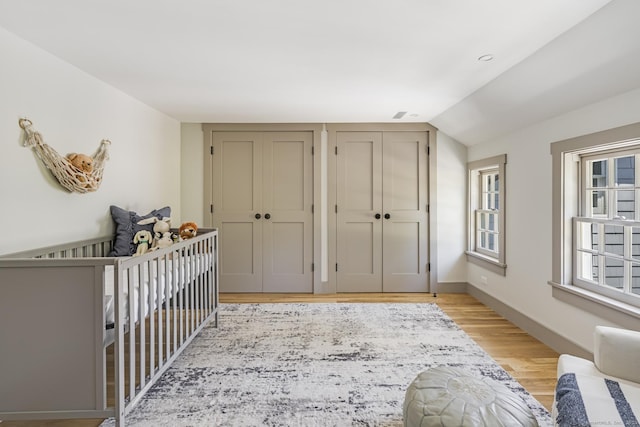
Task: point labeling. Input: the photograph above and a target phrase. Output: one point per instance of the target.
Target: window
(487, 216)
(596, 223)
(606, 230)
(486, 213)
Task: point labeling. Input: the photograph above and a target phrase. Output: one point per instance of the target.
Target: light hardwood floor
(529, 361)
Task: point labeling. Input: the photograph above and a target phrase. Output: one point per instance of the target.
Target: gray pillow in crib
(127, 226)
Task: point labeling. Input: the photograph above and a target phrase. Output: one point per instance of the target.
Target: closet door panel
(237, 196)
(287, 199)
(238, 260)
(285, 171)
(360, 249)
(287, 240)
(402, 248)
(239, 192)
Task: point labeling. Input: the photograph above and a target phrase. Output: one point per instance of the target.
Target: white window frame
(569, 203)
(476, 254)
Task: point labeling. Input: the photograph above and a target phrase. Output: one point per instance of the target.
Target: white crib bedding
(191, 267)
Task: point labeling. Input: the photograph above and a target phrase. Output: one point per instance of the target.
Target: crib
(84, 335)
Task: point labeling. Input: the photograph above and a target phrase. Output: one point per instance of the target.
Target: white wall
(528, 219)
(192, 167)
(74, 112)
(451, 210)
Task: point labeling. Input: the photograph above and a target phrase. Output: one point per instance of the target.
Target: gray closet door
(287, 198)
(237, 198)
(359, 199)
(404, 189)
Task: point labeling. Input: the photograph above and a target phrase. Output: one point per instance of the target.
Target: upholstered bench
(449, 396)
(605, 391)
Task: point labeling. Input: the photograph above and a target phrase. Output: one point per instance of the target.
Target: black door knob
(267, 216)
(377, 216)
(258, 216)
(387, 216)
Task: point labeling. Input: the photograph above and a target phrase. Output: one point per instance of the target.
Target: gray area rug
(312, 365)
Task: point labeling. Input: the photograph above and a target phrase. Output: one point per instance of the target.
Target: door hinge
(312, 208)
(428, 150)
(429, 267)
(336, 208)
(427, 208)
(336, 266)
(211, 208)
(211, 150)
(336, 150)
(312, 150)
(313, 267)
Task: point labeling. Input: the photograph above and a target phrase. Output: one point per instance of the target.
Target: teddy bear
(84, 164)
(81, 162)
(188, 230)
(143, 239)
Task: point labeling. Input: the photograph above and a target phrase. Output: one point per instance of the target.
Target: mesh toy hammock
(68, 175)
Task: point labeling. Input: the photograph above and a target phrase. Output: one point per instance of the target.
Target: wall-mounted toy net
(69, 176)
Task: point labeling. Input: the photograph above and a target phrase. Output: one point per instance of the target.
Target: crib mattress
(185, 269)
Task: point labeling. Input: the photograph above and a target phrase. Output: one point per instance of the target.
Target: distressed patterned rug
(312, 365)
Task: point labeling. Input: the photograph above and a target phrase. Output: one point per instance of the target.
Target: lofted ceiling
(346, 60)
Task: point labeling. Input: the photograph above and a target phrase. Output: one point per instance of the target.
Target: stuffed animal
(160, 226)
(164, 241)
(81, 161)
(188, 230)
(143, 239)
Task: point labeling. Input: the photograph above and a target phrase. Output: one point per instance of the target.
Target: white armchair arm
(617, 352)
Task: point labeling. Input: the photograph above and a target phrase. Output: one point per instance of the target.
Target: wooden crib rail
(88, 248)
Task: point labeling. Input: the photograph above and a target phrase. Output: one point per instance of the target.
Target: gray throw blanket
(585, 400)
